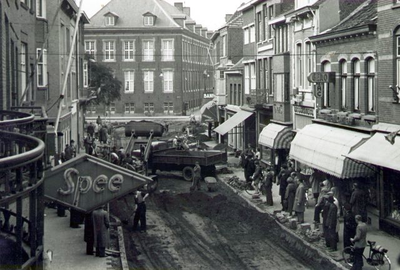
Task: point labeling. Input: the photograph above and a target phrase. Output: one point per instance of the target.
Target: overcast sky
(209, 13)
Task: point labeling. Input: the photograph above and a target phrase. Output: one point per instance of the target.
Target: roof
(236, 20)
(130, 14)
(365, 14)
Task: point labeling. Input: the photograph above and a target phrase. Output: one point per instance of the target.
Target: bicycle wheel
(380, 261)
(348, 256)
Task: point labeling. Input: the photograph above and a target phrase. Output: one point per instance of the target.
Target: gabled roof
(130, 14)
(149, 14)
(111, 13)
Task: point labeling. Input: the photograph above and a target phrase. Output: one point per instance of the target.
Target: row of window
(40, 7)
(128, 50)
(129, 108)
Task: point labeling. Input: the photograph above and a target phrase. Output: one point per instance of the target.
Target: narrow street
(203, 230)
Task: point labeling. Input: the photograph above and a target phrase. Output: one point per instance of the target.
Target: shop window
(266, 155)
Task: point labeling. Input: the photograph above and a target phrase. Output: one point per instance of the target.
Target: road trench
(206, 230)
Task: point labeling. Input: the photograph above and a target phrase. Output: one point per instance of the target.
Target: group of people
(95, 131)
(69, 151)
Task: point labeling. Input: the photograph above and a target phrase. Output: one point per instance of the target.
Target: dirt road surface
(203, 230)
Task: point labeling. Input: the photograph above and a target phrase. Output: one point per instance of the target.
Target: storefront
(274, 141)
(385, 156)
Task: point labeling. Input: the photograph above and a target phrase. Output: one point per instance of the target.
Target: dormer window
(149, 19)
(110, 18)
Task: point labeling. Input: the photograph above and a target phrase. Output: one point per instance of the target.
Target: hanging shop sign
(321, 77)
(86, 183)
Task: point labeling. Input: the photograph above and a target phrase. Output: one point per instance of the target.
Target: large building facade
(157, 51)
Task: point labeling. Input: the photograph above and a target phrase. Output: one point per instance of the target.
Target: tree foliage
(103, 81)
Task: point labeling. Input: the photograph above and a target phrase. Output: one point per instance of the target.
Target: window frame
(130, 50)
(168, 81)
(148, 20)
(129, 81)
(41, 9)
(148, 53)
(167, 54)
(148, 85)
(356, 83)
(371, 85)
(41, 65)
(110, 20)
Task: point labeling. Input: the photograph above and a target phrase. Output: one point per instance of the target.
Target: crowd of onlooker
(298, 188)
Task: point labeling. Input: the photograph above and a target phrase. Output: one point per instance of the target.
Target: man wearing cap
(299, 205)
(358, 202)
(331, 223)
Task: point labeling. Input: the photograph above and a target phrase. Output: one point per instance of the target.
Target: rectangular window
(109, 51)
(129, 108)
(41, 9)
(41, 68)
(299, 66)
(246, 35)
(167, 50)
(129, 50)
(168, 108)
(260, 26)
(148, 20)
(224, 46)
(265, 22)
(85, 74)
(253, 76)
(168, 79)
(129, 81)
(309, 62)
(148, 81)
(110, 20)
(24, 71)
(90, 48)
(148, 50)
(280, 87)
(252, 34)
(246, 79)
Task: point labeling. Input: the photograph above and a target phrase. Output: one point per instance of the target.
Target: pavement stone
(69, 249)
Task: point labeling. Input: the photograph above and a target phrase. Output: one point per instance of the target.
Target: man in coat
(267, 186)
(299, 205)
(282, 182)
(360, 242)
(101, 223)
(196, 177)
(290, 195)
(249, 168)
(349, 225)
(331, 224)
(257, 177)
(88, 235)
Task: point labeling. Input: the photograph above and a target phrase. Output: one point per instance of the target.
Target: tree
(103, 81)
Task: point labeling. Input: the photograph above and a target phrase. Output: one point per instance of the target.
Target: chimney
(228, 17)
(197, 29)
(204, 32)
(179, 6)
(209, 34)
(186, 11)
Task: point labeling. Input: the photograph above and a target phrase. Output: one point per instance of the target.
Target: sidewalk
(69, 249)
(382, 238)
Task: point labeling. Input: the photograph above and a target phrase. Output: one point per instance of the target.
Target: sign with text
(87, 182)
(321, 77)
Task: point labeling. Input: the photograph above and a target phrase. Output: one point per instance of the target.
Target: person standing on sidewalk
(88, 235)
(325, 188)
(331, 224)
(257, 177)
(267, 186)
(300, 201)
(360, 242)
(289, 196)
(249, 168)
(140, 211)
(101, 223)
(350, 225)
(282, 182)
(358, 202)
(196, 177)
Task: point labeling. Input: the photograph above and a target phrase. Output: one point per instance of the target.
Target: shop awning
(324, 148)
(209, 112)
(232, 122)
(276, 136)
(378, 151)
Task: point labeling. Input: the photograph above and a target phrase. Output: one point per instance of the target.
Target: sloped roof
(364, 15)
(130, 13)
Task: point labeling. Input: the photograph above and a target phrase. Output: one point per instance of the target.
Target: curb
(335, 264)
(121, 244)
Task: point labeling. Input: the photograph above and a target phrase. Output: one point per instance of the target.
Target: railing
(21, 180)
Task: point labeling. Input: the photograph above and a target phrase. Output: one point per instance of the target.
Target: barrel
(143, 128)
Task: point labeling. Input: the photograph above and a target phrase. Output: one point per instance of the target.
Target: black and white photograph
(199, 134)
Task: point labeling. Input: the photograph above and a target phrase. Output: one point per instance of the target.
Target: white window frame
(246, 33)
(41, 12)
(253, 76)
(109, 50)
(299, 66)
(308, 62)
(42, 66)
(343, 84)
(129, 81)
(90, 47)
(326, 67)
(112, 108)
(252, 34)
(148, 50)
(279, 95)
(168, 81)
(356, 83)
(128, 47)
(110, 20)
(168, 107)
(247, 79)
(148, 21)
(85, 74)
(129, 108)
(224, 46)
(398, 56)
(371, 103)
(148, 81)
(167, 50)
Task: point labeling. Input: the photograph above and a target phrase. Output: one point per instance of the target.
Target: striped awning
(325, 148)
(276, 136)
(209, 111)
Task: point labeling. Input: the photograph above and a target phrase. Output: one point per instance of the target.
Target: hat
(293, 174)
(330, 193)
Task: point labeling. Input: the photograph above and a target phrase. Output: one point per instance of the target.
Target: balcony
(21, 188)
(346, 118)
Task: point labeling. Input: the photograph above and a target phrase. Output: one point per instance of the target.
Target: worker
(101, 223)
(196, 177)
(140, 211)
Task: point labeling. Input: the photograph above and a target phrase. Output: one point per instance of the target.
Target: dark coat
(101, 223)
(282, 181)
(349, 228)
(358, 202)
(88, 235)
(331, 220)
(268, 180)
(289, 196)
(325, 211)
(103, 135)
(69, 152)
(300, 199)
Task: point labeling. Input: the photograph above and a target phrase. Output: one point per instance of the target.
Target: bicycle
(376, 256)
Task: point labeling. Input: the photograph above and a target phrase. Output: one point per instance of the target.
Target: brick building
(157, 51)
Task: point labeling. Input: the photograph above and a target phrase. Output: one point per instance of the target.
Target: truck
(161, 155)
